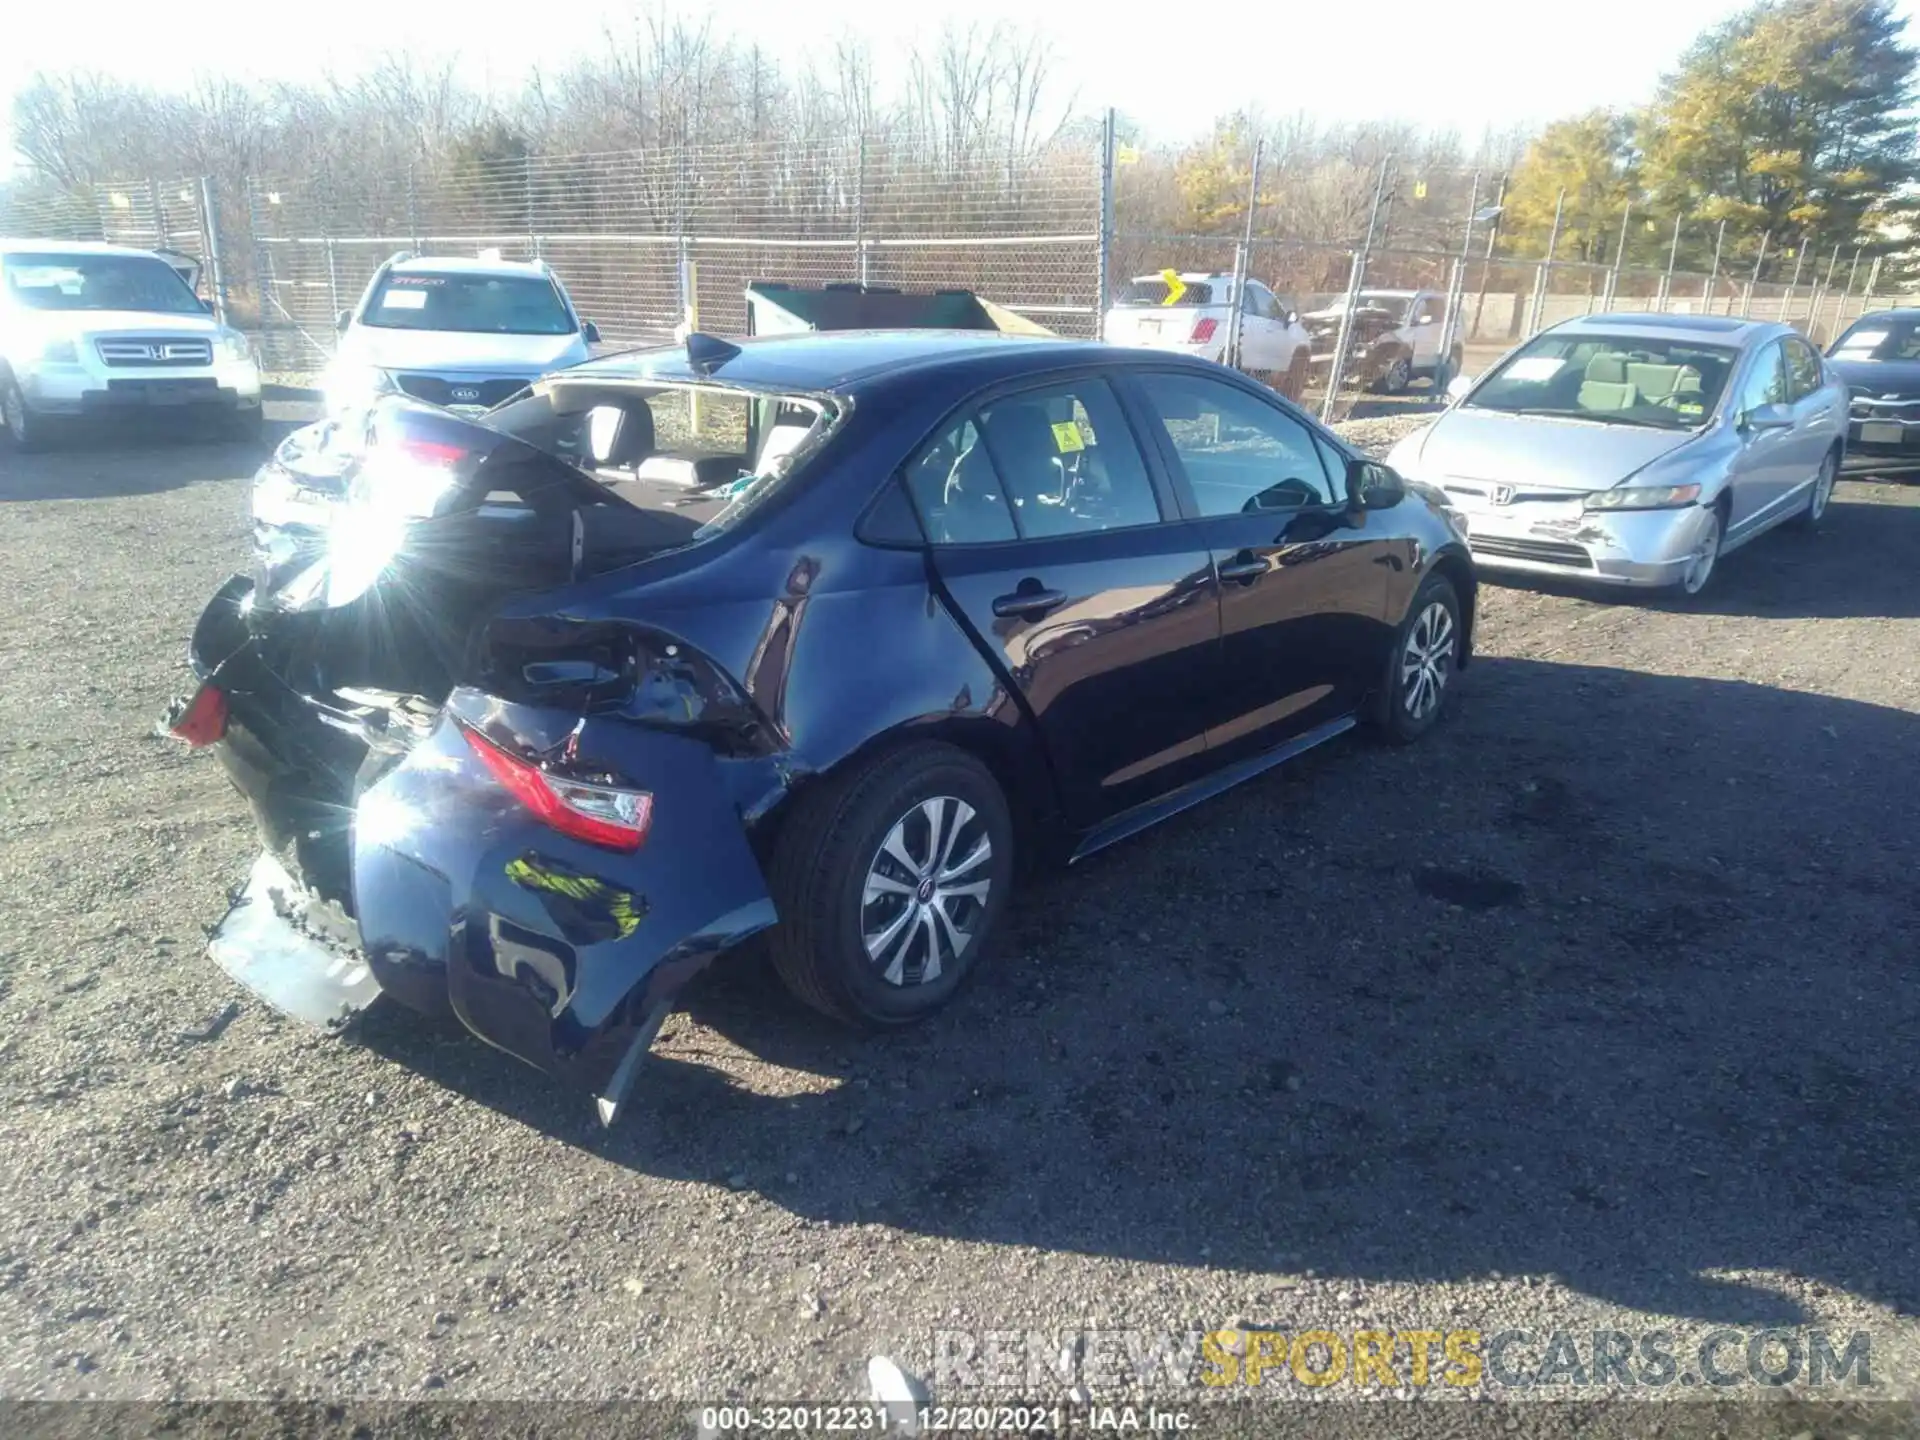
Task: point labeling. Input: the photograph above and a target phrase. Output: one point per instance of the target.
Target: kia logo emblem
(465, 392)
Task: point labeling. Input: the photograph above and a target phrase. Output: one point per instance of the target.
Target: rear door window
(957, 491)
(1154, 290)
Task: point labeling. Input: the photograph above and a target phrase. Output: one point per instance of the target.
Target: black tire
(246, 425)
(1822, 494)
(1396, 377)
(1397, 718)
(1294, 386)
(26, 432)
(1686, 588)
(819, 880)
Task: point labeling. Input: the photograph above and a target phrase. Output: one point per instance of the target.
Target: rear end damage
(473, 815)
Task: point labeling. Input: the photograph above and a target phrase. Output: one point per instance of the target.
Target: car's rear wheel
(1426, 655)
(1822, 496)
(890, 882)
(27, 431)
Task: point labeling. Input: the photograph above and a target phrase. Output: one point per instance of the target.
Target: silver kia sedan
(1636, 449)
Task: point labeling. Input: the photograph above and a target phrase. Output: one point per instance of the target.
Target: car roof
(840, 360)
(465, 265)
(1693, 329)
(28, 246)
(1892, 312)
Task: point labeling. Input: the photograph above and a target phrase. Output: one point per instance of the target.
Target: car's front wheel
(27, 431)
(1426, 655)
(890, 881)
(1396, 377)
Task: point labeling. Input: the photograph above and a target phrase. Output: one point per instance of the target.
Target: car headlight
(234, 346)
(351, 386)
(1644, 497)
(60, 352)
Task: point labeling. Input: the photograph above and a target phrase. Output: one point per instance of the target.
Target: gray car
(1637, 449)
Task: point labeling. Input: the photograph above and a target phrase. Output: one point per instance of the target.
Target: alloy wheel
(926, 891)
(1706, 551)
(1426, 660)
(1823, 488)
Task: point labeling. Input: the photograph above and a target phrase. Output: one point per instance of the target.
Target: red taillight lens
(1203, 329)
(431, 452)
(599, 814)
(203, 720)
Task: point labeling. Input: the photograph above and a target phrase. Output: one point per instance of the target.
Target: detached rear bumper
(399, 865)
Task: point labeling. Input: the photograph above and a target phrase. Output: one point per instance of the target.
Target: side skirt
(1133, 821)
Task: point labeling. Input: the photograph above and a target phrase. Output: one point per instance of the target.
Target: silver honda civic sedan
(1636, 449)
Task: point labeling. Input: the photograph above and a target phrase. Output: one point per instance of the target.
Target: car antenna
(707, 353)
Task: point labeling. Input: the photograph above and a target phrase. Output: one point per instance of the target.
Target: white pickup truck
(88, 329)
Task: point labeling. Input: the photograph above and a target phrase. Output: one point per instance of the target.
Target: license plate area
(1881, 433)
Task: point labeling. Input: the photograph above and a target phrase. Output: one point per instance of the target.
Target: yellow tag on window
(1066, 435)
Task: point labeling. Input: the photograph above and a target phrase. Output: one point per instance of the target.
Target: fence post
(1243, 262)
(1713, 275)
(333, 284)
(1820, 295)
(1543, 277)
(1673, 257)
(1457, 286)
(413, 213)
(210, 234)
(860, 210)
(262, 261)
(1746, 300)
(1840, 311)
(1486, 264)
(1336, 372)
(1799, 259)
(162, 239)
(1873, 286)
(1103, 249)
(1612, 287)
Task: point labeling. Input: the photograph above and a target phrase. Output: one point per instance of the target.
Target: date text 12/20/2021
(716, 1420)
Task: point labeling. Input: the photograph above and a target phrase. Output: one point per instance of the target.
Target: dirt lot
(1597, 1009)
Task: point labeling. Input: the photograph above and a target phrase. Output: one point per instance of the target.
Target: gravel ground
(1596, 1009)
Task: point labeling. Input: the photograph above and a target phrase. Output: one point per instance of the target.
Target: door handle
(1245, 568)
(1028, 603)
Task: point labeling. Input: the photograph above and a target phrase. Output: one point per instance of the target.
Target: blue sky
(1465, 63)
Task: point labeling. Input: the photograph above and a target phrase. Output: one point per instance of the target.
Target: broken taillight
(599, 814)
(1203, 329)
(202, 720)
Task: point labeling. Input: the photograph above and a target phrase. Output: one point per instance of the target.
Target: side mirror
(1458, 387)
(590, 332)
(342, 321)
(1372, 486)
(1767, 417)
(1293, 317)
(1427, 319)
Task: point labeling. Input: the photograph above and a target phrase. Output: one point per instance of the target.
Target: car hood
(42, 325)
(1537, 450)
(1877, 379)
(446, 352)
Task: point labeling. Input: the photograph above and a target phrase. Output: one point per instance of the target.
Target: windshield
(1611, 379)
(1153, 290)
(58, 281)
(481, 304)
(1882, 338)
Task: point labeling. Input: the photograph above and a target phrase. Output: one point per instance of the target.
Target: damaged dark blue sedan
(816, 636)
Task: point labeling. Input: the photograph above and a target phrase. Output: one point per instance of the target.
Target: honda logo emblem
(466, 394)
(1503, 494)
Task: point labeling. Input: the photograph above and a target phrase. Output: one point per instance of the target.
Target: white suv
(90, 329)
(460, 333)
(1191, 314)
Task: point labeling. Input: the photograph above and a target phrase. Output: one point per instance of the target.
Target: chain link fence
(649, 240)
(646, 241)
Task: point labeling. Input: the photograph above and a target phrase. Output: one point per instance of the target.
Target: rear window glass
(1154, 291)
